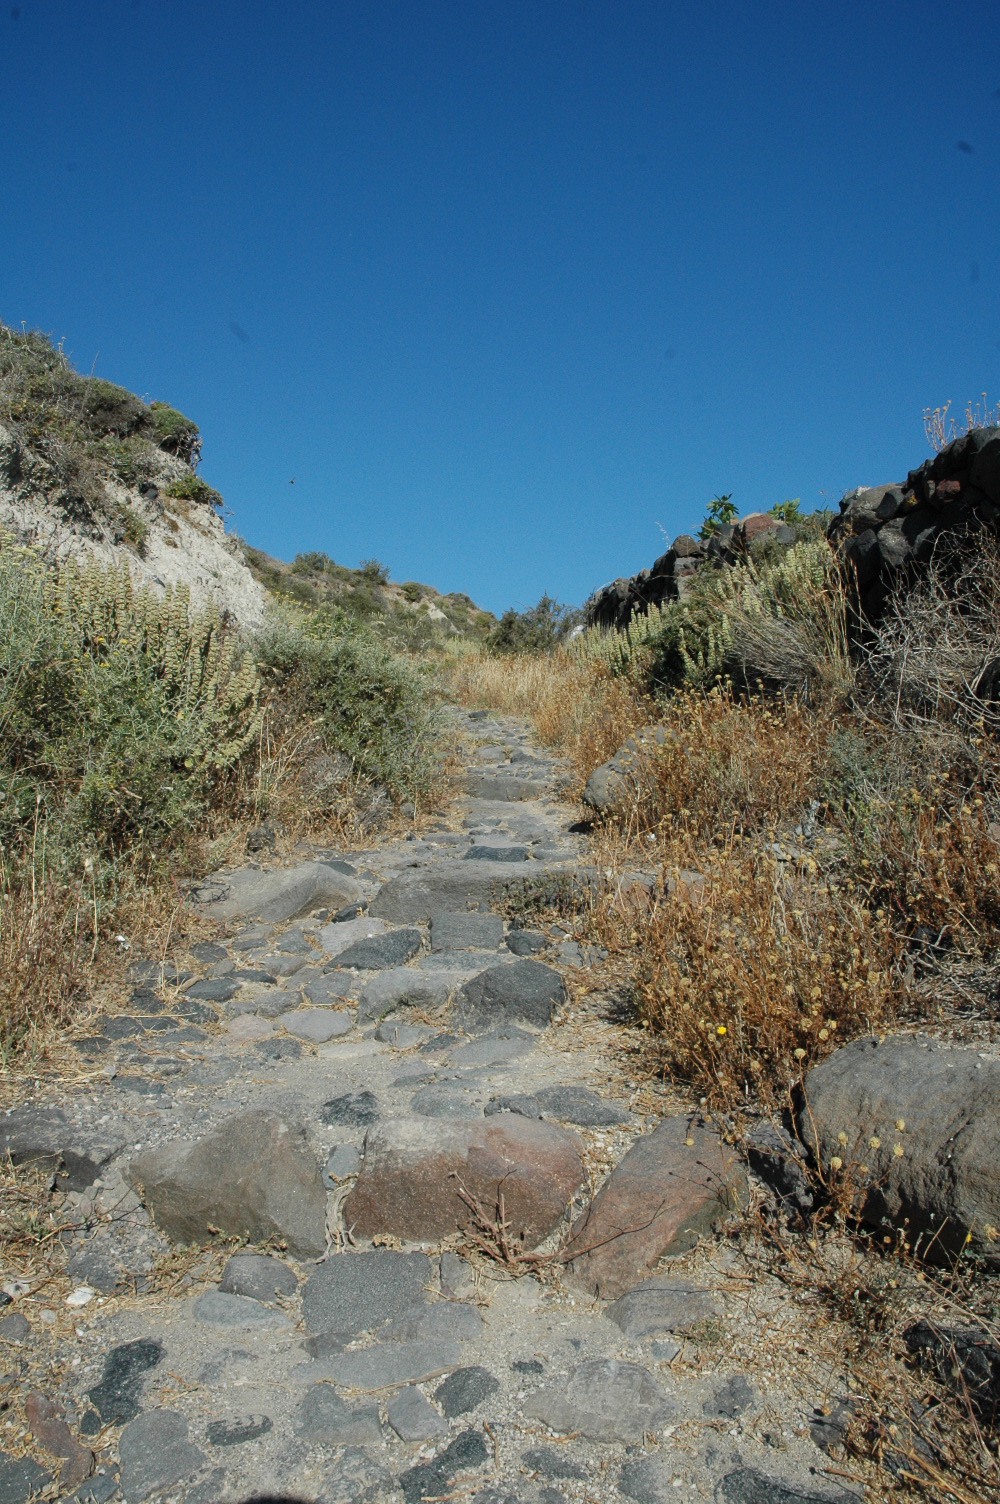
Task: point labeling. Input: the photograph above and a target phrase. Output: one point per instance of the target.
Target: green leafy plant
(787, 511)
(191, 487)
(721, 511)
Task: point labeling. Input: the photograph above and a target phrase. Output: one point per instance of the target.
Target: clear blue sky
(509, 285)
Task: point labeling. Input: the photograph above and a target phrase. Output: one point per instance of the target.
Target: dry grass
(747, 980)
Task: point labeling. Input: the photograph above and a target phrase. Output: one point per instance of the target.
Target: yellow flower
(800, 1053)
(836, 1163)
(841, 1138)
(900, 1124)
(721, 1029)
(874, 1142)
(897, 1150)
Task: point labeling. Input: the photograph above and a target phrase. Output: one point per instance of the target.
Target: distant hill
(414, 610)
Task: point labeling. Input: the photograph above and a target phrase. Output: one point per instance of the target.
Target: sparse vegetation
(539, 629)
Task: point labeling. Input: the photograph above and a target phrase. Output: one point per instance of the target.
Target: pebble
(317, 1025)
(465, 1390)
(412, 1416)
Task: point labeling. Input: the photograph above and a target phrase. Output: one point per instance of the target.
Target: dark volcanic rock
(116, 1397)
(522, 992)
(379, 952)
(360, 1291)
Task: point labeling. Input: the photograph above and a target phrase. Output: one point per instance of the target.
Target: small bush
(411, 590)
(368, 703)
(191, 487)
(175, 434)
(118, 709)
(373, 572)
(313, 562)
(540, 629)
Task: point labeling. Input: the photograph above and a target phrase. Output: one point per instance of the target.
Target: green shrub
(119, 710)
(373, 572)
(313, 562)
(368, 703)
(191, 487)
(537, 630)
(175, 434)
(720, 512)
(411, 590)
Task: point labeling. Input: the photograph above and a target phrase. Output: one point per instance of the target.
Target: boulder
(253, 1177)
(414, 1169)
(44, 1138)
(413, 895)
(943, 1181)
(283, 893)
(522, 991)
(661, 1304)
(380, 952)
(672, 1185)
(621, 776)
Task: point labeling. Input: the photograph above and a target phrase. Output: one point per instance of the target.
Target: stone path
(354, 1084)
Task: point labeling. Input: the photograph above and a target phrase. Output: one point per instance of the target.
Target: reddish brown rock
(414, 1170)
(672, 1185)
(49, 1427)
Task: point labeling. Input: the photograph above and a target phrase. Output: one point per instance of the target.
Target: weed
(941, 430)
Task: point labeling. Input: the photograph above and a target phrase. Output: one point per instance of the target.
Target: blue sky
(510, 287)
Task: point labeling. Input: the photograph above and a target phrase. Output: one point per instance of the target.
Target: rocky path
(378, 1085)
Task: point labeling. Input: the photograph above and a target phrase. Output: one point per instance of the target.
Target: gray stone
(465, 1389)
(209, 952)
(487, 853)
(253, 1177)
(413, 1417)
(746, 1485)
(43, 1137)
(605, 1400)
(465, 931)
(624, 774)
(577, 1104)
(493, 1049)
(324, 1418)
(502, 787)
(649, 1479)
(326, 989)
(98, 1488)
(458, 1277)
(387, 1364)
(116, 1397)
(429, 1480)
(278, 1049)
(14, 1328)
(356, 1478)
(443, 1102)
(355, 1292)
(402, 1036)
(661, 1304)
(274, 896)
(445, 1319)
(459, 964)
(235, 1432)
(343, 1161)
(294, 943)
(283, 966)
(402, 987)
(355, 1109)
(946, 1181)
(317, 1025)
(730, 1399)
(214, 989)
(522, 992)
(217, 1309)
(258, 1276)
(414, 1168)
(20, 1479)
(526, 942)
(548, 1463)
(155, 1453)
(452, 884)
(524, 1106)
(664, 1352)
(380, 952)
(338, 936)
